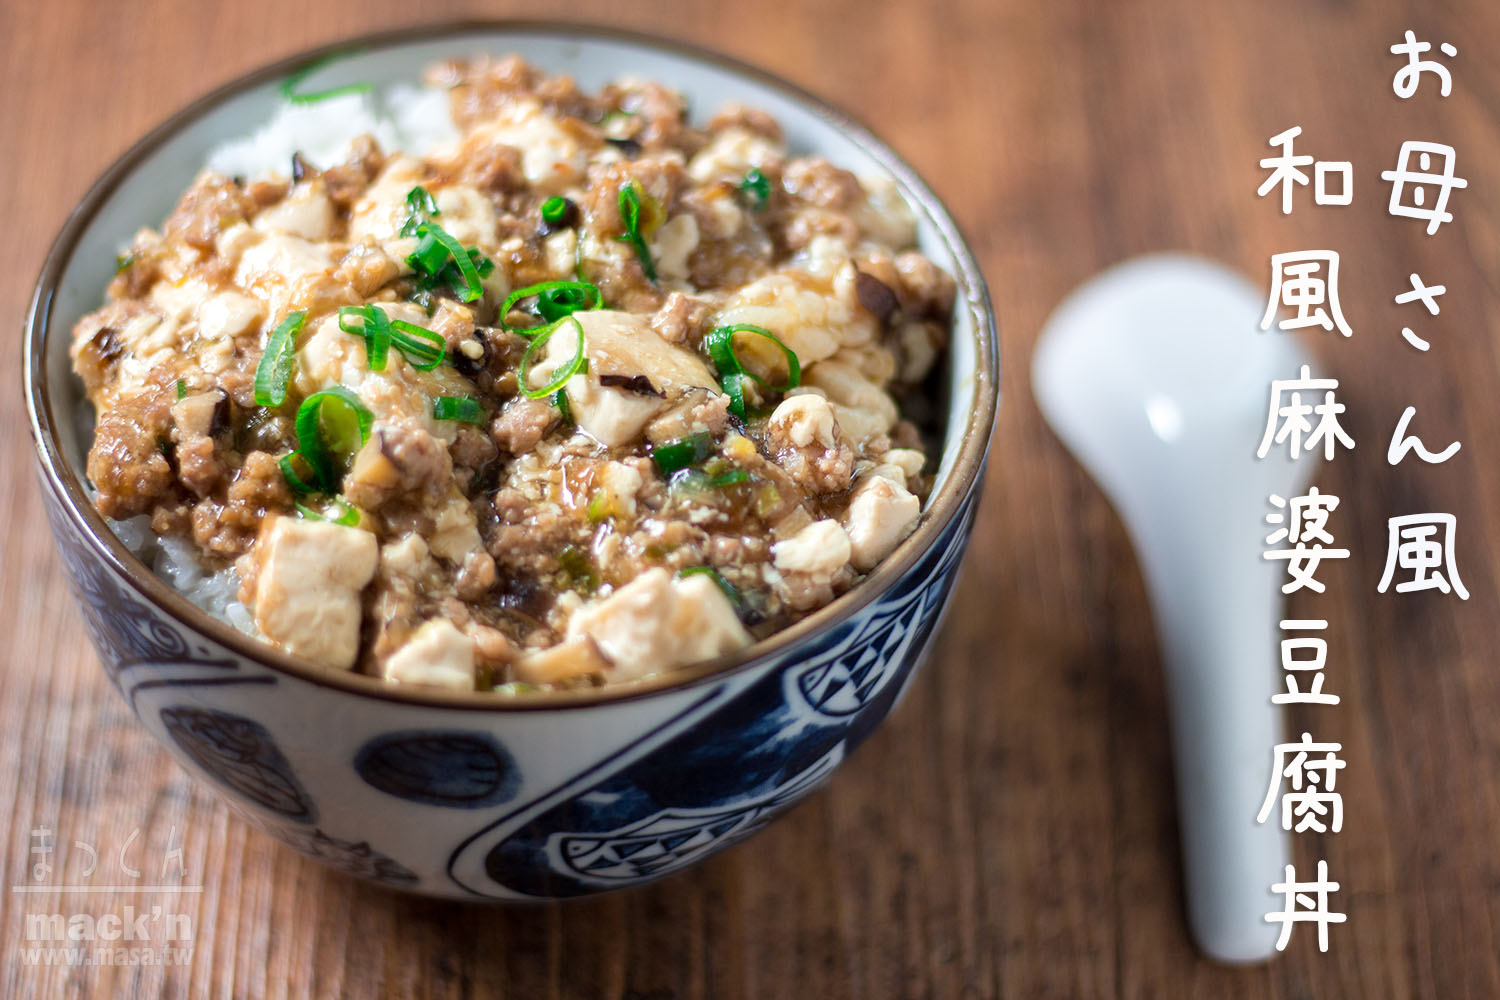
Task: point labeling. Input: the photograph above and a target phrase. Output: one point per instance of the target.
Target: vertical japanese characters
(1302, 417)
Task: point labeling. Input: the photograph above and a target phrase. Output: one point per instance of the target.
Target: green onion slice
(555, 210)
(683, 452)
(720, 344)
(554, 300)
(731, 478)
(375, 326)
(330, 424)
(424, 349)
(575, 365)
(430, 256)
(289, 86)
(729, 589)
(436, 249)
(462, 408)
(734, 387)
(630, 213)
(298, 483)
(756, 188)
(182, 388)
(420, 208)
(275, 367)
(560, 400)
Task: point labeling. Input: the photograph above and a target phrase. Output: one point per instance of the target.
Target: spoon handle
(1217, 631)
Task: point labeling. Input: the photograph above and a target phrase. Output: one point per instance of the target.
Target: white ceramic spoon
(1156, 375)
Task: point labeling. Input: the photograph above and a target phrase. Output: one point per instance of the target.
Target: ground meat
(818, 182)
(662, 116)
(751, 119)
(926, 289)
(197, 421)
(259, 485)
(208, 208)
(489, 166)
(138, 268)
(682, 319)
(660, 180)
(97, 343)
(522, 423)
(346, 181)
(400, 458)
(128, 465)
(475, 576)
(527, 539)
(478, 89)
(472, 451)
(808, 224)
(198, 467)
(733, 246)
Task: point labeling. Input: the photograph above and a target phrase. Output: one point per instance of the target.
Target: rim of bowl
(940, 511)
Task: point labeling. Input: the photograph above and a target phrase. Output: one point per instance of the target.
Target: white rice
(175, 561)
(402, 117)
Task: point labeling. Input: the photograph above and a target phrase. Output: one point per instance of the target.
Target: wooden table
(1010, 832)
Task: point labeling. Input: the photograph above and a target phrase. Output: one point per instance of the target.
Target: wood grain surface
(1010, 832)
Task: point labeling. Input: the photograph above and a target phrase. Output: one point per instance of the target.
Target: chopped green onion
(424, 349)
(375, 326)
(330, 424)
(600, 507)
(682, 453)
(555, 303)
(462, 408)
(720, 344)
(559, 212)
(576, 364)
(560, 400)
(699, 480)
(420, 208)
(181, 388)
(729, 589)
(348, 514)
(767, 499)
(290, 84)
(436, 249)
(124, 260)
(430, 256)
(296, 481)
(734, 388)
(554, 300)
(275, 366)
(756, 188)
(630, 214)
(578, 568)
(731, 478)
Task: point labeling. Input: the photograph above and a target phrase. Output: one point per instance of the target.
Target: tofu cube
(308, 578)
(437, 655)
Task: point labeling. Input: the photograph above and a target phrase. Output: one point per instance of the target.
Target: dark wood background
(1010, 832)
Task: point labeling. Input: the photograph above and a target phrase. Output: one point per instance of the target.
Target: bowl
(466, 795)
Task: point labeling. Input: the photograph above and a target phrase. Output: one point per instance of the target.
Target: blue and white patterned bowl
(465, 795)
